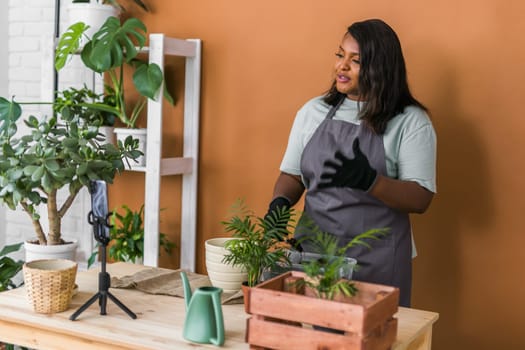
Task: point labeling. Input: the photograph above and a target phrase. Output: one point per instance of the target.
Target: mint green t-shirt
(409, 140)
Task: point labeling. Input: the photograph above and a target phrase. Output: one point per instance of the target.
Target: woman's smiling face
(347, 64)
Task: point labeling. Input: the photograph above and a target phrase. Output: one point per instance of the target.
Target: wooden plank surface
(158, 326)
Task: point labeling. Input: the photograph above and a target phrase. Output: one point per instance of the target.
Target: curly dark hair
(382, 75)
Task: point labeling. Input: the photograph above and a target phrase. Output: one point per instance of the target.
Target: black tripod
(104, 280)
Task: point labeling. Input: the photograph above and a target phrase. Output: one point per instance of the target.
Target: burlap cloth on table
(168, 282)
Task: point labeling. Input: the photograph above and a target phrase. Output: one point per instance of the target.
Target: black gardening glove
(354, 173)
(277, 219)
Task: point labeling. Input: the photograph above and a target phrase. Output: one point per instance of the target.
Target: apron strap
(335, 107)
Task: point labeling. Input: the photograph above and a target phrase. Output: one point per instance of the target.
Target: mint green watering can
(204, 322)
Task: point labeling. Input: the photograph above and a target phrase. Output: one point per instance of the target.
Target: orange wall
(466, 62)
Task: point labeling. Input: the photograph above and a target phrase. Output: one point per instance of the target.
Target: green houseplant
(9, 267)
(326, 273)
(112, 48)
(127, 236)
(49, 154)
(80, 102)
(258, 245)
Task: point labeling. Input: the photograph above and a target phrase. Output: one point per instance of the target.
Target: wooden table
(158, 326)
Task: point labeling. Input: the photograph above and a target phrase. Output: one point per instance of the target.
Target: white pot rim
(92, 5)
(69, 242)
(51, 264)
(130, 131)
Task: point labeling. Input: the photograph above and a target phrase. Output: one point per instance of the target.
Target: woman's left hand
(354, 173)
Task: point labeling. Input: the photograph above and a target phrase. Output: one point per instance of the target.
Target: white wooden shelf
(187, 165)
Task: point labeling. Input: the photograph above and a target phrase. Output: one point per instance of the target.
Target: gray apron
(346, 212)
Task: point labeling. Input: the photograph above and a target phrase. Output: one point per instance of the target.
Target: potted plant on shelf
(127, 237)
(112, 48)
(62, 151)
(258, 241)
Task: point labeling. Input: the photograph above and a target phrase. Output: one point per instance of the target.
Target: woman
(365, 153)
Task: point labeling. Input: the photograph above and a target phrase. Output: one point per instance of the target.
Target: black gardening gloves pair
(355, 173)
(344, 172)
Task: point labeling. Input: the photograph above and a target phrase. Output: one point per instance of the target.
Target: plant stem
(54, 218)
(36, 225)
(68, 202)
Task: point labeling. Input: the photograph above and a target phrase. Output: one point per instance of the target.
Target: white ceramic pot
(108, 133)
(91, 14)
(43, 252)
(221, 275)
(139, 134)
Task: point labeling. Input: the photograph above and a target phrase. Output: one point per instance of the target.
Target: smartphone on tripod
(99, 216)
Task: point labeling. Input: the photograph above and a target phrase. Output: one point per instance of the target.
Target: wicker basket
(49, 284)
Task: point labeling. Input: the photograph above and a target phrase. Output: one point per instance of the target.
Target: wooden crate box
(283, 315)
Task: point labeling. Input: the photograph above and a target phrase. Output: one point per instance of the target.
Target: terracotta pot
(246, 295)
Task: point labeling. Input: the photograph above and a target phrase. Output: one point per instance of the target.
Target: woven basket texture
(49, 284)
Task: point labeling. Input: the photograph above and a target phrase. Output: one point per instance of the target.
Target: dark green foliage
(87, 104)
(258, 245)
(127, 236)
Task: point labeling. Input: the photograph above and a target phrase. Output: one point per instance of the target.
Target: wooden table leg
(423, 342)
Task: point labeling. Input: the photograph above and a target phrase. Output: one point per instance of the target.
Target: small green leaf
(38, 173)
(30, 169)
(52, 165)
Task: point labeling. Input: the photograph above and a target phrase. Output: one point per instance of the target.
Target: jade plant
(258, 241)
(112, 48)
(61, 151)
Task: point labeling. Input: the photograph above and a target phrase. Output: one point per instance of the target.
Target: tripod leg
(122, 306)
(103, 302)
(85, 306)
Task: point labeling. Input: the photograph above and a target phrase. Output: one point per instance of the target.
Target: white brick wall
(30, 36)
(4, 60)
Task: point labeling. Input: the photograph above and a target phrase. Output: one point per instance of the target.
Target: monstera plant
(112, 48)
